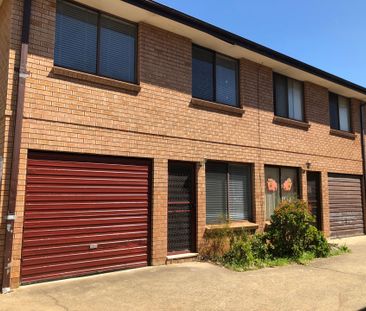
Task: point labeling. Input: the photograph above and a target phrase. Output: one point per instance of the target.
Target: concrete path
(337, 283)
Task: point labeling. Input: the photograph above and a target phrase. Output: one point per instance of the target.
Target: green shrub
(291, 237)
(260, 246)
(292, 233)
(240, 252)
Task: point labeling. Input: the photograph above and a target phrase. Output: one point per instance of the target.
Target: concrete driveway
(337, 283)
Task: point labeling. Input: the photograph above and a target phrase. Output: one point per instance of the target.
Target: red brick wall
(65, 114)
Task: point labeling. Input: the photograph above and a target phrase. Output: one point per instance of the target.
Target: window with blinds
(93, 42)
(288, 97)
(228, 192)
(214, 77)
(76, 37)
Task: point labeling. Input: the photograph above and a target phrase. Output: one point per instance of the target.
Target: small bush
(292, 233)
(260, 246)
(291, 237)
(240, 252)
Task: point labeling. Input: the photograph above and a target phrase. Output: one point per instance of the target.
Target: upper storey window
(214, 77)
(340, 115)
(96, 43)
(288, 97)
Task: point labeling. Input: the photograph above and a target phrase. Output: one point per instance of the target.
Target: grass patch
(305, 258)
(337, 250)
(259, 264)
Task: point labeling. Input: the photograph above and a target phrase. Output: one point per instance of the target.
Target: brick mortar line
(187, 138)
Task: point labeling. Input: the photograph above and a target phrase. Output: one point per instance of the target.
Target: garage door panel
(345, 205)
(66, 214)
(82, 247)
(86, 189)
(87, 197)
(71, 180)
(343, 222)
(349, 202)
(85, 205)
(89, 165)
(47, 276)
(62, 223)
(84, 230)
(84, 214)
(97, 262)
(85, 255)
(89, 238)
(356, 217)
(87, 173)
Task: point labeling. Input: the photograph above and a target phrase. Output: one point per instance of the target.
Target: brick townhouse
(128, 129)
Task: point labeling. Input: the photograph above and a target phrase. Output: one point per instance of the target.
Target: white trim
(181, 256)
(139, 15)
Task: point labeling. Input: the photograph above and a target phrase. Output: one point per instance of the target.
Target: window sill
(234, 225)
(292, 123)
(96, 79)
(200, 103)
(343, 134)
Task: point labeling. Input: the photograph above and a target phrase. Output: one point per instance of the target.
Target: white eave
(138, 15)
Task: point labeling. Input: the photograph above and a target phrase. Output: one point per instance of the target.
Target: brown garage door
(83, 215)
(345, 204)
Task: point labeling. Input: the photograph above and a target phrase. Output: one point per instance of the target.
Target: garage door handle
(93, 246)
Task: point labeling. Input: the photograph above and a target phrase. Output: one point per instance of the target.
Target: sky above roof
(328, 34)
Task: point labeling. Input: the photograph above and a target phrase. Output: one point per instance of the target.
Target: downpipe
(362, 130)
(18, 125)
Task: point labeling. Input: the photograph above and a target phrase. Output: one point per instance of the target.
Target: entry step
(180, 258)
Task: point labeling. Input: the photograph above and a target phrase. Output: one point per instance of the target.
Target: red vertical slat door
(84, 215)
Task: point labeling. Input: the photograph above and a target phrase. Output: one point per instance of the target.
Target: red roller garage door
(83, 215)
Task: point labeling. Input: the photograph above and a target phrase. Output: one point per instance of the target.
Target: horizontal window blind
(117, 49)
(214, 76)
(228, 192)
(239, 192)
(95, 43)
(216, 193)
(76, 37)
(202, 73)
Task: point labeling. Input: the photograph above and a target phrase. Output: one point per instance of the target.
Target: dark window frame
(237, 84)
(251, 189)
(280, 167)
(349, 104)
(299, 188)
(304, 119)
(99, 15)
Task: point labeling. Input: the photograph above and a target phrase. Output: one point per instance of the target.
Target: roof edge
(234, 39)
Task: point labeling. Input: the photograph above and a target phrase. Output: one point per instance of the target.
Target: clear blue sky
(328, 34)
